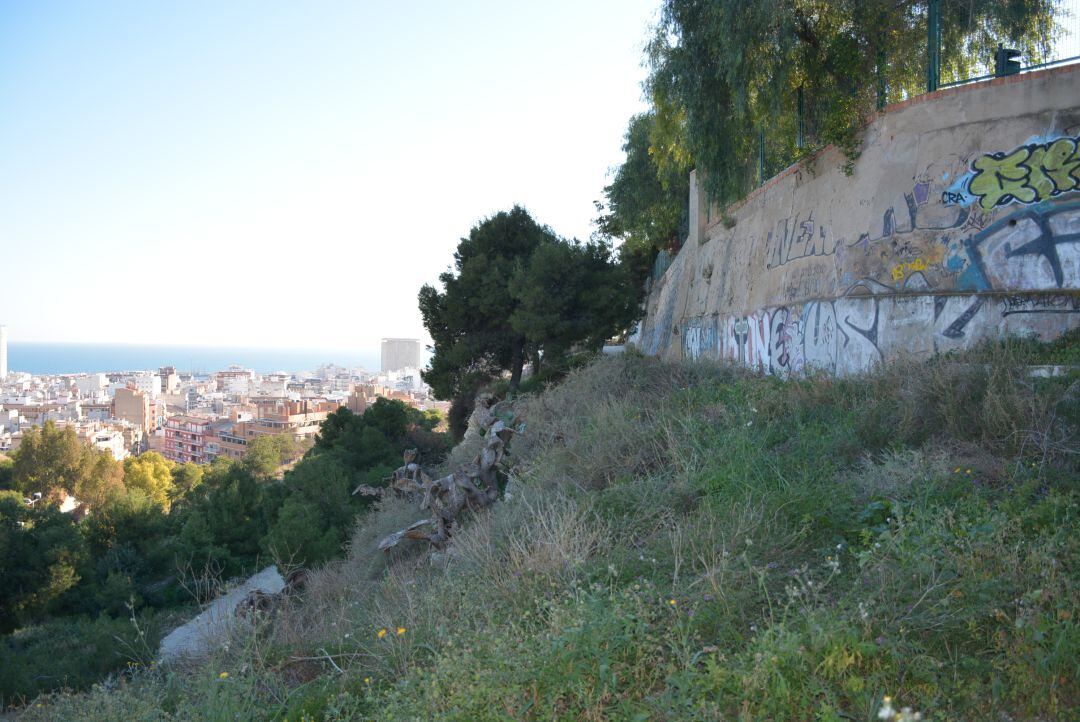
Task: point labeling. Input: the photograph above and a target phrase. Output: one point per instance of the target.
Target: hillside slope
(694, 542)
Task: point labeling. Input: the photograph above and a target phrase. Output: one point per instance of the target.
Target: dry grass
(692, 541)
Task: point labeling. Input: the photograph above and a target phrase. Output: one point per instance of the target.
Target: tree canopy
(516, 290)
(50, 460)
(731, 69)
(469, 320)
(646, 202)
(150, 473)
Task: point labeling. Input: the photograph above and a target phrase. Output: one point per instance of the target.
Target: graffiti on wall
(949, 265)
(795, 239)
(1034, 248)
(854, 334)
(1031, 173)
(1058, 303)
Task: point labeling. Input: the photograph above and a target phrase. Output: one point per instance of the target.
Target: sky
(288, 174)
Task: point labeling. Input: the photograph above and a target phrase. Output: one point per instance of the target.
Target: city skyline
(271, 175)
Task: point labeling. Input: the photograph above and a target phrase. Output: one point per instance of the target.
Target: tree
(186, 478)
(469, 320)
(571, 295)
(377, 437)
(100, 476)
(735, 69)
(7, 472)
(150, 473)
(226, 518)
(40, 550)
(266, 454)
(647, 199)
(50, 460)
(131, 543)
(310, 526)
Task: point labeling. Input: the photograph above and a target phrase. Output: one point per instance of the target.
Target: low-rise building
(111, 440)
(186, 439)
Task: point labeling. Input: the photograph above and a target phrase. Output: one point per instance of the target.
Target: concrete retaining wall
(961, 222)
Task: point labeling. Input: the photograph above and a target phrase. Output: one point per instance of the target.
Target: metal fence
(989, 52)
(960, 46)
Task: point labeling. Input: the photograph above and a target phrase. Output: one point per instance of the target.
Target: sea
(73, 358)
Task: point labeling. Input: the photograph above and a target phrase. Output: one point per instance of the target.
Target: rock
(211, 628)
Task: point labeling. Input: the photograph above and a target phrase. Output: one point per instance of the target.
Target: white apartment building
(399, 353)
(149, 384)
(92, 386)
(110, 440)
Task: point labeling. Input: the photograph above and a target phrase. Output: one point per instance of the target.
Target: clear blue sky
(273, 173)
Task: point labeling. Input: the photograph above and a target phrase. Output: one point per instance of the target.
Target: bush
(75, 652)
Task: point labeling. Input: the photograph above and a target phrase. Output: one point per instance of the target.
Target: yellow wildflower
(367, 680)
(223, 675)
(400, 631)
(672, 602)
(381, 633)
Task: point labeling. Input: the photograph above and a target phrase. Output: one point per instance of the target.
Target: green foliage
(732, 68)
(185, 479)
(75, 653)
(266, 454)
(132, 545)
(150, 473)
(165, 523)
(647, 199)
(498, 303)
(379, 435)
(51, 460)
(571, 295)
(7, 472)
(311, 524)
(225, 520)
(40, 551)
(469, 320)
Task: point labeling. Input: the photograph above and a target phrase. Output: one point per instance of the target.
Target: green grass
(694, 542)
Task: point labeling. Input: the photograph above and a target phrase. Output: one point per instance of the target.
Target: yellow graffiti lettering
(902, 269)
(1058, 165)
(1030, 173)
(1001, 179)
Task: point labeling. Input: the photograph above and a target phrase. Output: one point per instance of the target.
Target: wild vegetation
(698, 542)
(517, 293)
(86, 593)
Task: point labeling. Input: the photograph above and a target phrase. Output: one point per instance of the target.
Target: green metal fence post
(761, 155)
(800, 127)
(880, 66)
(933, 45)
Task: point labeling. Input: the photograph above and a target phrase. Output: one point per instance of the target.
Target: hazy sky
(288, 174)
